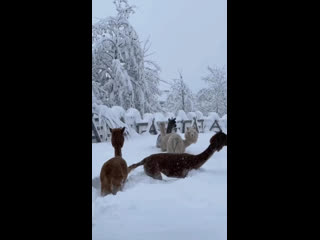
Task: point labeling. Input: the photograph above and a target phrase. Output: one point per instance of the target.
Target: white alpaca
(164, 136)
(173, 143)
(177, 145)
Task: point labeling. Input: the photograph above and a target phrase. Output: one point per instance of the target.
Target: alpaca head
(191, 134)
(117, 138)
(172, 123)
(219, 140)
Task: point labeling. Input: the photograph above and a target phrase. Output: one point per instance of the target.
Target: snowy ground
(194, 208)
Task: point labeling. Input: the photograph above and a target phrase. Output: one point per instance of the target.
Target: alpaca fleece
(176, 144)
(178, 165)
(114, 172)
(171, 126)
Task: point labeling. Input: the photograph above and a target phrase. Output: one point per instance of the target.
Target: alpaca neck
(169, 129)
(117, 152)
(162, 130)
(201, 158)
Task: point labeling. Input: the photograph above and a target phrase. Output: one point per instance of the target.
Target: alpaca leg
(153, 171)
(105, 189)
(159, 141)
(122, 184)
(163, 147)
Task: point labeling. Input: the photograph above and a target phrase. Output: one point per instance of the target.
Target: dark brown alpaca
(114, 172)
(179, 164)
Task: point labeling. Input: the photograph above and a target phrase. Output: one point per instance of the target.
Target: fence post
(183, 125)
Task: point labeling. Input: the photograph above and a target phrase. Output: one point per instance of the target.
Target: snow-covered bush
(108, 119)
(132, 116)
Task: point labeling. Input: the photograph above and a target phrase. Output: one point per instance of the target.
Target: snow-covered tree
(180, 97)
(121, 75)
(213, 98)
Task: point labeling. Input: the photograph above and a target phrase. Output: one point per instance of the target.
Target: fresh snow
(199, 115)
(191, 115)
(181, 115)
(132, 115)
(147, 117)
(190, 209)
(118, 111)
(159, 117)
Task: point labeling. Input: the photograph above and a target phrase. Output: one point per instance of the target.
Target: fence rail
(101, 133)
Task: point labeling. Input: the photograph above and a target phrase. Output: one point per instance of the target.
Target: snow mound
(147, 117)
(132, 115)
(118, 111)
(191, 115)
(213, 116)
(199, 115)
(159, 117)
(181, 115)
(169, 115)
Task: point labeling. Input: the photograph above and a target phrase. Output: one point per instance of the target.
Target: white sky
(186, 35)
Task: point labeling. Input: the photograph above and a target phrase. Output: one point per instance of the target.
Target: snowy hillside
(194, 208)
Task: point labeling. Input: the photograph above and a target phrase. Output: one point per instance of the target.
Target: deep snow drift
(191, 208)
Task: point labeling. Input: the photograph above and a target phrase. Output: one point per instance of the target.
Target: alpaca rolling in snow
(114, 172)
(171, 126)
(173, 143)
(178, 165)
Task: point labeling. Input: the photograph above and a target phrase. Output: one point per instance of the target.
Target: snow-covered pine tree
(214, 98)
(120, 73)
(180, 97)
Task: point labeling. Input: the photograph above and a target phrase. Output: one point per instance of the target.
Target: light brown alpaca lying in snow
(173, 143)
(114, 172)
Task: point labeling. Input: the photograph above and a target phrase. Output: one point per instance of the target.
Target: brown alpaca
(178, 165)
(114, 172)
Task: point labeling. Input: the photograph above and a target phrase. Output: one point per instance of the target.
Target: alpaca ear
(110, 129)
(122, 130)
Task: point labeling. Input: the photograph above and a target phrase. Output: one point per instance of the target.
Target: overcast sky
(186, 35)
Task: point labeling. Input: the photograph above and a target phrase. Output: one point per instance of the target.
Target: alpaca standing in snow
(178, 165)
(164, 136)
(177, 145)
(114, 172)
(173, 143)
(171, 126)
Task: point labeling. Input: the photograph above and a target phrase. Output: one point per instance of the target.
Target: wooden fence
(102, 133)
